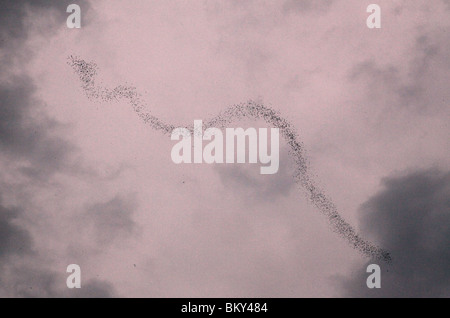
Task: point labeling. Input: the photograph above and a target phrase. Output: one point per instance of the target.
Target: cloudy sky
(87, 182)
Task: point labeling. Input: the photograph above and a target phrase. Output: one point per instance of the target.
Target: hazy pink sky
(368, 104)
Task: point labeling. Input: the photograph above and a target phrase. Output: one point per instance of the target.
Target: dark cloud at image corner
(21, 134)
(13, 12)
(410, 217)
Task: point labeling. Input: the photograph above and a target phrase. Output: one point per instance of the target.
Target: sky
(86, 181)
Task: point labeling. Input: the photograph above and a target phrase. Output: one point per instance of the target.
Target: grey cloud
(447, 3)
(14, 11)
(22, 134)
(30, 282)
(36, 282)
(411, 218)
(305, 6)
(29, 276)
(257, 187)
(14, 240)
(25, 137)
(411, 85)
(93, 289)
(30, 137)
(111, 220)
(14, 31)
(24, 273)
